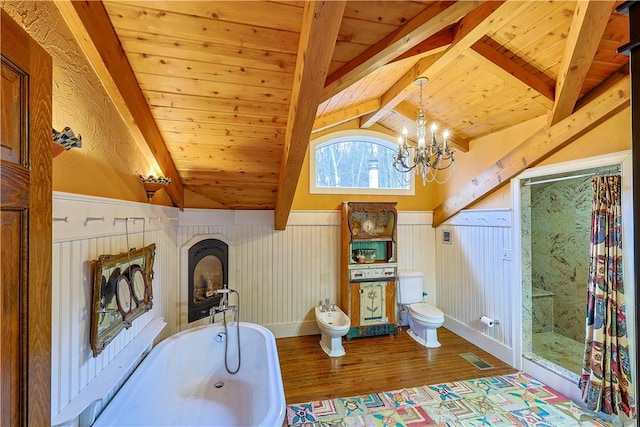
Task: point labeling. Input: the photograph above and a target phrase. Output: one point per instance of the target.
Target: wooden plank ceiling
(233, 90)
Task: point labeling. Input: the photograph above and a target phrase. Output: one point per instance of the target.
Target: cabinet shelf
(372, 239)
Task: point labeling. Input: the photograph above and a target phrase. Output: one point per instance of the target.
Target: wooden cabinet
(369, 267)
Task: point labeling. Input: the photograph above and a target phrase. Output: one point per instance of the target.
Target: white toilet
(333, 324)
(423, 319)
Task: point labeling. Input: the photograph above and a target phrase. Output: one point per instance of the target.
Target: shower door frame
(623, 160)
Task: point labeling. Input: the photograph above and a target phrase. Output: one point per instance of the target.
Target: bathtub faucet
(223, 306)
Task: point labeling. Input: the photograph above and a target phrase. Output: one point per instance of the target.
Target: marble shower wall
(560, 224)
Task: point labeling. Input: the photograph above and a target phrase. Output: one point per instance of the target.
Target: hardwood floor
(375, 364)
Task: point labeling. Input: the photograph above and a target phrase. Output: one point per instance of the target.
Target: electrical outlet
(506, 254)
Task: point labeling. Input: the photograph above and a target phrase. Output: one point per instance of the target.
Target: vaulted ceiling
(226, 95)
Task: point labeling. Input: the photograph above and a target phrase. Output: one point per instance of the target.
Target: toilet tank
(410, 286)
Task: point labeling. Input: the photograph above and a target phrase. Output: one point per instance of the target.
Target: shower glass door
(556, 218)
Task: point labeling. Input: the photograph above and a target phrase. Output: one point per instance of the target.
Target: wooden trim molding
(26, 354)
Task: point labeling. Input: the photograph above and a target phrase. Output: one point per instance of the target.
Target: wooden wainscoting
(375, 364)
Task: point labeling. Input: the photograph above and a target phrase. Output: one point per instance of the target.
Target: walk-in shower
(556, 217)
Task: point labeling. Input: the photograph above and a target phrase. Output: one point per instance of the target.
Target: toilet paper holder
(490, 322)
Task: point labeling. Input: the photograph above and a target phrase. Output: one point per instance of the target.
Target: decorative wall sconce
(65, 140)
(152, 184)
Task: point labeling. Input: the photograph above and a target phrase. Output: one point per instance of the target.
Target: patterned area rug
(508, 400)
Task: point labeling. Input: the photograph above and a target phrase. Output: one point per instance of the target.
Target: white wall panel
(280, 275)
(76, 242)
(474, 274)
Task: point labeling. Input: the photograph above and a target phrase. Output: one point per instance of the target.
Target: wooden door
(25, 229)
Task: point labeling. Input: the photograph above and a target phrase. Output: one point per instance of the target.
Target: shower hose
(236, 319)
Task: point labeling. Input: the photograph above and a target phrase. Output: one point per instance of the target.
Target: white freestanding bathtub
(183, 382)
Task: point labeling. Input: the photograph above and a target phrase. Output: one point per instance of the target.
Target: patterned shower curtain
(606, 371)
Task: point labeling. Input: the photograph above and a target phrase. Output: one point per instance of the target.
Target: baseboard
(285, 330)
(557, 382)
(491, 346)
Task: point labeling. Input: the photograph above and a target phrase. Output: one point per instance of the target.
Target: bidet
(333, 325)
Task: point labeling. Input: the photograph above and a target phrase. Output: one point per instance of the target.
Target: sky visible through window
(358, 163)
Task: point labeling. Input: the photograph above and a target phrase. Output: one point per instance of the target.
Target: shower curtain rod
(564, 178)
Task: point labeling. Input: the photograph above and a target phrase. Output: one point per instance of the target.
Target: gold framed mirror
(122, 291)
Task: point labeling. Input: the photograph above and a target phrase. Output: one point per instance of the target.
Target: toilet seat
(426, 312)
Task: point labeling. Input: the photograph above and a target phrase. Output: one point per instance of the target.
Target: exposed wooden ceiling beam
(90, 25)
(469, 30)
(434, 44)
(320, 24)
(612, 97)
(400, 90)
(512, 73)
(589, 21)
(409, 111)
(433, 19)
(344, 115)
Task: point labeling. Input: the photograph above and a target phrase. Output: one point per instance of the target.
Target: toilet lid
(426, 311)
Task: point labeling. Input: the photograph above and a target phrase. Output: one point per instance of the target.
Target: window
(359, 161)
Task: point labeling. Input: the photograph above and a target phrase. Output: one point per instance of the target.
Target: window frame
(362, 135)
